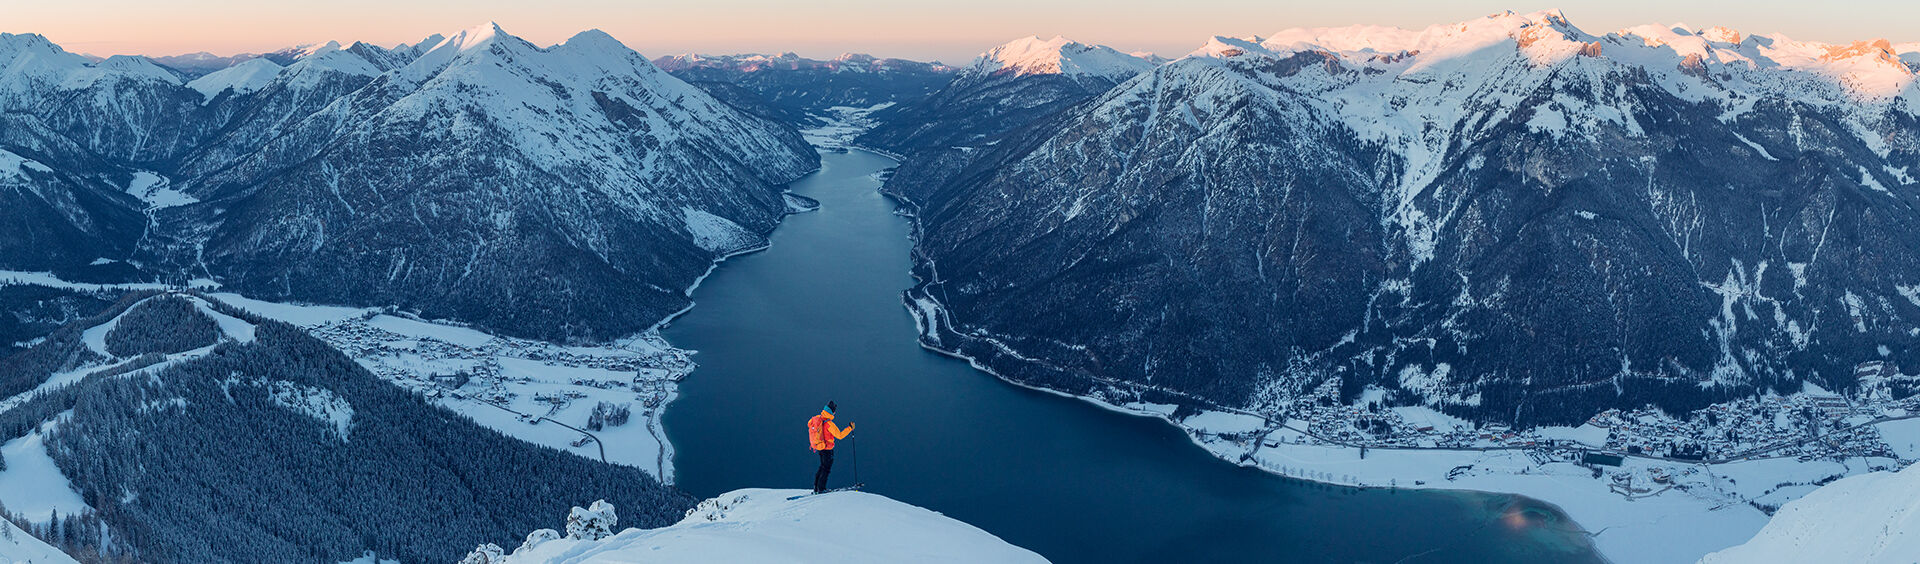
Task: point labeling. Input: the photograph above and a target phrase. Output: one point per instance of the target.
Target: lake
(818, 316)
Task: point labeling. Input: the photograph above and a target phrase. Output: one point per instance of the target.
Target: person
(821, 432)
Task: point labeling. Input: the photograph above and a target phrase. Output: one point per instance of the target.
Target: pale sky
(951, 31)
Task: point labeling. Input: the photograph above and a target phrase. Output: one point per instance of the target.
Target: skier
(822, 432)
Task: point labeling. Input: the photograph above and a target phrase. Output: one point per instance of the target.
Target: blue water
(818, 316)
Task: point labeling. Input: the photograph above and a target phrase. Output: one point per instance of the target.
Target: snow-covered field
(842, 124)
(18, 547)
(32, 486)
(47, 279)
(1638, 527)
(761, 525)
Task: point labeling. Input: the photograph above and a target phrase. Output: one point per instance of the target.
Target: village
(1814, 423)
(1761, 450)
(472, 369)
(575, 398)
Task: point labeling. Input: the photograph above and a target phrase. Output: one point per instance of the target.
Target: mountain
(1002, 89)
(195, 65)
(63, 198)
(1868, 518)
(565, 192)
(1508, 218)
(799, 90)
(761, 525)
(185, 430)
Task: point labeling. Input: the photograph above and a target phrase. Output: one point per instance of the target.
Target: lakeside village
(1639, 451)
(450, 364)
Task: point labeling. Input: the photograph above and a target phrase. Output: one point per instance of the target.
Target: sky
(949, 31)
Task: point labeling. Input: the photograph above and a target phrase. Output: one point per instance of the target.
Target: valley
(1504, 289)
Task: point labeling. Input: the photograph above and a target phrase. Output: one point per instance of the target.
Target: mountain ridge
(619, 155)
(1206, 207)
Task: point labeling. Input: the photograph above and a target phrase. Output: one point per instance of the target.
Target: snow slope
(761, 525)
(18, 547)
(32, 485)
(1870, 518)
(243, 78)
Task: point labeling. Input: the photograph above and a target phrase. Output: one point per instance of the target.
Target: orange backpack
(817, 433)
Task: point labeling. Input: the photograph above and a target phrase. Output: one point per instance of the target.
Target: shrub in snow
(714, 509)
(535, 538)
(485, 554)
(593, 523)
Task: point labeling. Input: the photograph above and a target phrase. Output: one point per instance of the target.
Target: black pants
(826, 466)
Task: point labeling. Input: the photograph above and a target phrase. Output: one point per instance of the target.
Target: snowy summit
(1033, 55)
(243, 78)
(762, 525)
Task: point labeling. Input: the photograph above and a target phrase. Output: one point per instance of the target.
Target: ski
(852, 487)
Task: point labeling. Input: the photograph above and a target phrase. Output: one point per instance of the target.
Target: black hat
(831, 408)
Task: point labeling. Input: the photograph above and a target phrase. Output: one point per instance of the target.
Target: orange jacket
(822, 432)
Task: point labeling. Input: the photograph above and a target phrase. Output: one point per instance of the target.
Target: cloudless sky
(952, 31)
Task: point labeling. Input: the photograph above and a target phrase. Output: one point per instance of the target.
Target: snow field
(761, 525)
(32, 485)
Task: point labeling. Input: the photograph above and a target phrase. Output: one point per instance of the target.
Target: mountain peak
(596, 39)
(247, 76)
(479, 36)
(1032, 55)
(15, 47)
(1722, 34)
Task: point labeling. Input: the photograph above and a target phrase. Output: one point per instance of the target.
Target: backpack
(817, 438)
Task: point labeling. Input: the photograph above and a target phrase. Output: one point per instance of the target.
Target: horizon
(103, 28)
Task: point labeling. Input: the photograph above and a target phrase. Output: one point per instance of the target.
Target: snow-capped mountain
(799, 90)
(1868, 519)
(1007, 87)
(1508, 218)
(761, 525)
(1058, 56)
(124, 108)
(752, 62)
(195, 65)
(571, 191)
(64, 200)
(241, 79)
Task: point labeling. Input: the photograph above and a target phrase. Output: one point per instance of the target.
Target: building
(1602, 459)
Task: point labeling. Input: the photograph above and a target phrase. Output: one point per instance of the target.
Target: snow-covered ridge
(1062, 56)
(1716, 58)
(29, 62)
(1424, 94)
(752, 62)
(243, 78)
(1867, 519)
(15, 166)
(762, 525)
